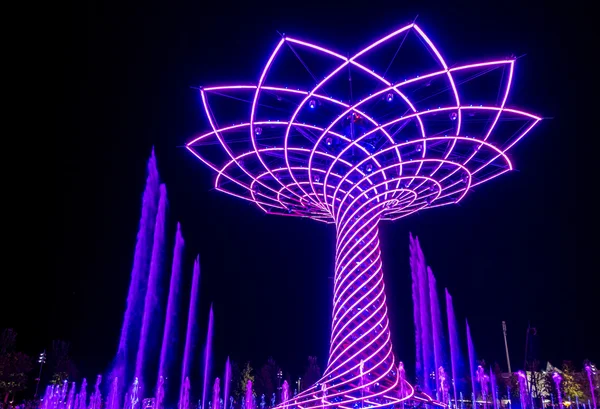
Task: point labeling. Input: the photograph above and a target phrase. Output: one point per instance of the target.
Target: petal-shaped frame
(401, 170)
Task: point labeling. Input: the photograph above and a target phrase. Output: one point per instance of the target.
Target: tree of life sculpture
(352, 141)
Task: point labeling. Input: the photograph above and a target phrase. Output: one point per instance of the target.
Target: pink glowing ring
(353, 141)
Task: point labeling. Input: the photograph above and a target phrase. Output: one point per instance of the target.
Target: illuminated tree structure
(353, 140)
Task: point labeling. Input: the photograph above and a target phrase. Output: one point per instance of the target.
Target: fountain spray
(589, 371)
(207, 354)
(557, 380)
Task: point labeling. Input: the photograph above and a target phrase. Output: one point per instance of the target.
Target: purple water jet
(557, 381)
(443, 385)
(522, 378)
(133, 397)
(159, 396)
(482, 379)
(589, 371)
(169, 340)
(184, 397)
(139, 274)
(191, 333)
(437, 331)
(46, 400)
(493, 387)
(402, 375)
(216, 393)
(285, 391)
(96, 398)
(82, 397)
(455, 355)
(152, 299)
(62, 394)
(414, 268)
(226, 382)
(70, 404)
(472, 362)
(249, 400)
(207, 354)
(423, 321)
(112, 401)
(49, 397)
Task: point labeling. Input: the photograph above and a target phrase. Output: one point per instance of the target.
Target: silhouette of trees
(61, 363)
(14, 366)
(312, 373)
(8, 340)
(236, 379)
(266, 379)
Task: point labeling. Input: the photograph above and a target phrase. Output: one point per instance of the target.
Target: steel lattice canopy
(300, 147)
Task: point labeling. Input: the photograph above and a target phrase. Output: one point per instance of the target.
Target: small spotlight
(389, 97)
(419, 147)
(317, 178)
(453, 116)
(312, 104)
(369, 168)
(258, 131)
(328, 141)
(465, 178)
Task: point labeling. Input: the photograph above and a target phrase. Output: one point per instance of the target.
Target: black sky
(114, 79)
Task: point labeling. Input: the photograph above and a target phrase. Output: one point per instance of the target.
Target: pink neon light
(335, 179)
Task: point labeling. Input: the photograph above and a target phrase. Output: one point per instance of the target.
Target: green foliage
(59, 378)
(572, 382)
(245, 376)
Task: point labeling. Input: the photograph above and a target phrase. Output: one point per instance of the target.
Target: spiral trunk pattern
(361, 369)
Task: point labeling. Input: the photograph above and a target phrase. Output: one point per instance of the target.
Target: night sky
(114, 80)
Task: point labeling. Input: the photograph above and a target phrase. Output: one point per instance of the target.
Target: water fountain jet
(455, 355)
(227, 381)
(169, 340)
(131, 327)
(589, 372)
(191, 332)
(285, 391)
(207, 354)
(112, 400)
(472, 363)
(152, 296)
(522, 379)
(216, 392)
(557, 381)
